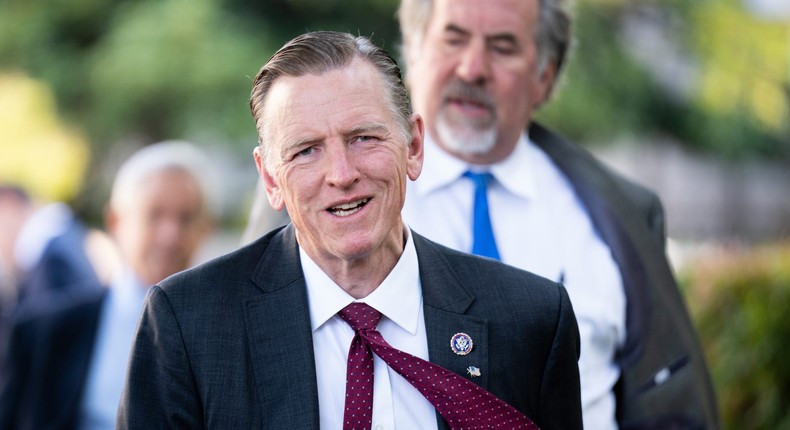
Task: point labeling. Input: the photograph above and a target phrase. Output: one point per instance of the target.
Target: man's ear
(546, 82)
(414, 157)
(110, 221)
(273, 191)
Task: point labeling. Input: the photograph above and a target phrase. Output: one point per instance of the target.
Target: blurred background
(691, 98)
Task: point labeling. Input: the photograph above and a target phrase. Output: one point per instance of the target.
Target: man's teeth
(347, 209)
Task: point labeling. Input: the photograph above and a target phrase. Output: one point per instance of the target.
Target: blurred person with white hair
(65, 366)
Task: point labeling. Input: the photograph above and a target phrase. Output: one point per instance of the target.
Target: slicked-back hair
(319, 52)
(552, 36)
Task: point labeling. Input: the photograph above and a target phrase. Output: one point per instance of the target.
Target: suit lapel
(280, 338)
(445, 303)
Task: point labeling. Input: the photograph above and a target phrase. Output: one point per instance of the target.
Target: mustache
(458, 89)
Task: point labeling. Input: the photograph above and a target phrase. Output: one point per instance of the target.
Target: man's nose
(341, 168)
(170, 231)
(474, 66)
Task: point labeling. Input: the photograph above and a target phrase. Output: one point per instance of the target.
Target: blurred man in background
(43, 251)
(496, 183)
(66, 365)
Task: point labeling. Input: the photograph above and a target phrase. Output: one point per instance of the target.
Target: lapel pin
(473, 371)
(461, 343)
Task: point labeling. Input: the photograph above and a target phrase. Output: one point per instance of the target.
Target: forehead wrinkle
(494, 37)
(299, 142)
(291, 98)
(454, 28)
(372, 126)
(368, 127)
(504, 37)
(498, 19)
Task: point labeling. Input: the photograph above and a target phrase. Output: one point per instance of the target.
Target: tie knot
(360, 316)
(480, 179)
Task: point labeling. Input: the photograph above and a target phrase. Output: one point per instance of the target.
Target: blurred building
(706, 197)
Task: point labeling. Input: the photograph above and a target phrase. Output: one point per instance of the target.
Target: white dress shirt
(107, 372)
(396, 403)
(541, 226)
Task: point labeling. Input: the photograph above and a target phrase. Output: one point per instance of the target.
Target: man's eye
(453, 41)
(364, 139)
(503, 48)
(307, 151)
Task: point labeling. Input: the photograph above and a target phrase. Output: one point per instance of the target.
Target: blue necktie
(483, 242)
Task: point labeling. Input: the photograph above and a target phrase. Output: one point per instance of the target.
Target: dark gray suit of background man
(229, 344)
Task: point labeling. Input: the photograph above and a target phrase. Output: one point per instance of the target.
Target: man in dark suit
(477, 71)
(44, 257)
(66, 363)
(275, 335)
(44, 248)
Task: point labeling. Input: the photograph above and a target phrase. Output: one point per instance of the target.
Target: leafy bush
(740, 301)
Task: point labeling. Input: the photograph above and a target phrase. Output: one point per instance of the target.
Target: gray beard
(464, 138)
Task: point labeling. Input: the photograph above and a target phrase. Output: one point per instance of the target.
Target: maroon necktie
(461, 402)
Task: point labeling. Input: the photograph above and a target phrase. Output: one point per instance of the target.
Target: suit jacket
(63, 273)
(44, 373)
(228, 345)
(665, 383)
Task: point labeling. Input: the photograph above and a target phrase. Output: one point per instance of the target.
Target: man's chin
(465, 139)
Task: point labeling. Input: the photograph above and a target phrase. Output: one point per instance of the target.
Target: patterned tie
(461, 402)
(483, 242)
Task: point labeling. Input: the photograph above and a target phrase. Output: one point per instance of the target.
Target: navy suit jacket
(664, 383)
(228, 345)
(43, 375)
(63, 273)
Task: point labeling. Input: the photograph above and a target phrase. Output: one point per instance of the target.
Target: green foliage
(165, 69)
(744, 77)
(737, 106)
(289, 18)
(175, 68)
(603, 92)
(740, 302)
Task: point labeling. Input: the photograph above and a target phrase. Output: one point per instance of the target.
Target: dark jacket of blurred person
(44, 254)
(66, 363)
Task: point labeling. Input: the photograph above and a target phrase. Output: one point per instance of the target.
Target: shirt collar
(515, 173)
(439, 168)
(398, 297)
(128, 292)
